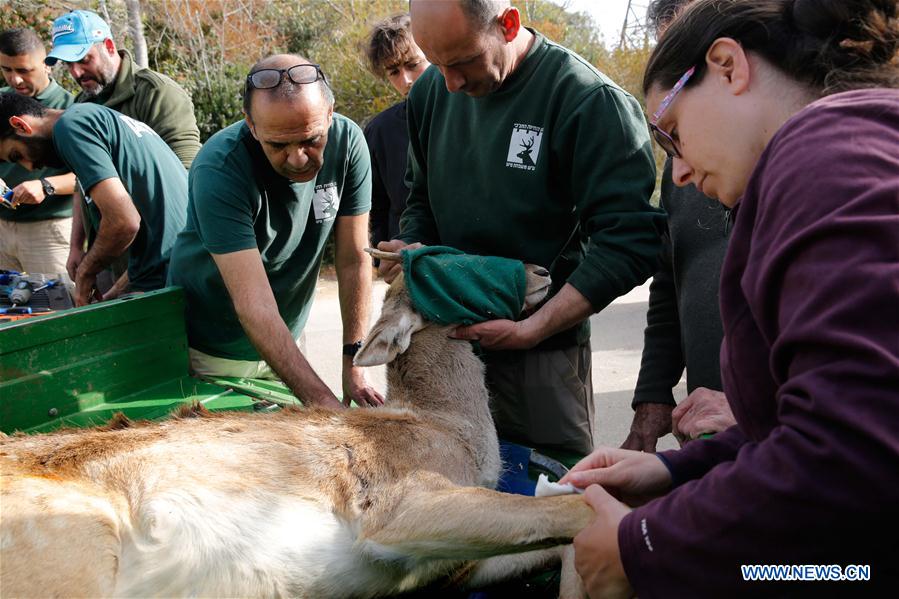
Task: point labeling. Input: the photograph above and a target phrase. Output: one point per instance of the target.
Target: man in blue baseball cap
(75, 34)
(110, 77)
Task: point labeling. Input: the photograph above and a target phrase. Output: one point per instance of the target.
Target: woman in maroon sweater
(786, 111)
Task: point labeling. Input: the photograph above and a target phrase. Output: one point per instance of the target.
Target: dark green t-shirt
(238, 202)
(56, 206)
(554, 168)
(98, 143)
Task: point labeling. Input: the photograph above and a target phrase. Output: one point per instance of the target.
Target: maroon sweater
(810, 365)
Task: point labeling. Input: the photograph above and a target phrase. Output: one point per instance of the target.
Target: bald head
(476, 44)
(480, 14)
(286, 90)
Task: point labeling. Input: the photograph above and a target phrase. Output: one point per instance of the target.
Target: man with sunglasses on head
(264, 197)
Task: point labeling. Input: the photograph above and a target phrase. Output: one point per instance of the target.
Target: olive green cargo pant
(543, 398)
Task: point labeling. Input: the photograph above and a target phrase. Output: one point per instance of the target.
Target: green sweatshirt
(155, 100)
(555, 168)
(56, 206)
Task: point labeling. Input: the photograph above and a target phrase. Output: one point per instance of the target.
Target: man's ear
(109, 45)
(510, 23)
(21, 126)
(251, 126)
(727, 61)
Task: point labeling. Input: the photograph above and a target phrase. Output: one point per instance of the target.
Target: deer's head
(391, 334)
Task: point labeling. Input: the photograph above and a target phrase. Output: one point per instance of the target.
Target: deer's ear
(389, 337)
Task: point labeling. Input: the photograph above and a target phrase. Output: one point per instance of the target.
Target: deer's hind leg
(466, 523)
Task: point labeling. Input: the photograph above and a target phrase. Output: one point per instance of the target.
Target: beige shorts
(37, 247)
(205, 365)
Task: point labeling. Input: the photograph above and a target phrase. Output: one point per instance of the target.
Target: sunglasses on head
(299, 74)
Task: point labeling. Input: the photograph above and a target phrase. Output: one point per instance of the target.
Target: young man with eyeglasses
(264, 197)
(34, 237)
(134, 187)
(520, 148)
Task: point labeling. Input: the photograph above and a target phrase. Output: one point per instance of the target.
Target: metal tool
(21, 293)
(9, 277)
(6, 196)
(23, 310)
(47, 285)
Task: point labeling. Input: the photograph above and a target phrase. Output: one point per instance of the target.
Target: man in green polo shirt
(265, 194)
(35, 236)
(134, 185)
(520, 148)
(109, 76)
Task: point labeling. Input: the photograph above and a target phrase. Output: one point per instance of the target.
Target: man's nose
(408, 80)
(681, 172)
(454, 80)
(16, 80)
(297, 159)
(75, 70)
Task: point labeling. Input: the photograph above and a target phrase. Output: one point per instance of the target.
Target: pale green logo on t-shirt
(524, 146)
(325, 202)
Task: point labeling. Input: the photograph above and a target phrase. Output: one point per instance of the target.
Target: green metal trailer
(78, 367)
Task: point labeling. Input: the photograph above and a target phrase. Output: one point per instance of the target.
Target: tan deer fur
(303, 503)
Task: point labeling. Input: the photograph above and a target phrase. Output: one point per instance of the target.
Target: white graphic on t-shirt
(325, 202)
(524, 146)
(137, 127)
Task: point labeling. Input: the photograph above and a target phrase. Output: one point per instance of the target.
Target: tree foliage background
(209, 45)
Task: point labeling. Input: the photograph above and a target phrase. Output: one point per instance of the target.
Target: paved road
(617, 342)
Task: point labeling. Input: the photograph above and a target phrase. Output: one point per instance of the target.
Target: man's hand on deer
(389, 269)
(596, 554)
(704, 411)
(356, 388)
(632, 476)
(499, 334)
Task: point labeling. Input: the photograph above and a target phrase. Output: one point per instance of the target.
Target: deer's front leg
(468, 523)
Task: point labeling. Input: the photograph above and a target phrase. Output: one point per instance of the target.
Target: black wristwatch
(350, 349)
(49, 190)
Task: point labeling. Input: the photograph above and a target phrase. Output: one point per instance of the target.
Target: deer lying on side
(305, 503)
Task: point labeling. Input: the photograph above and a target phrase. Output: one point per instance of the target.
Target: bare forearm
(111, 242)
(354, 292)
(77, 238)
(64, 184)
(565, 310)
(274, 342)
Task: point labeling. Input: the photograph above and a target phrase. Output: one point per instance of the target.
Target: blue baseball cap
(74, 34)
